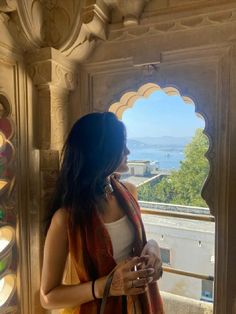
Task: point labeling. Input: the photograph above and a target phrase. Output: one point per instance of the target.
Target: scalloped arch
(129, 98)
(127, 101)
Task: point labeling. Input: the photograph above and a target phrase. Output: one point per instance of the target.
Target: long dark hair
(93, 151)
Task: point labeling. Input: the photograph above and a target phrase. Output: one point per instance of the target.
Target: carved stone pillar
(54, 77)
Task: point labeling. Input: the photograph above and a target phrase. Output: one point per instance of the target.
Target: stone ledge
(175, 304)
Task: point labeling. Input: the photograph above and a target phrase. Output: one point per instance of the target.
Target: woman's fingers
(143, 273)
(135, 291)
(138, 286)
(127, 280)
(136, 261)
(138, 283)
(156, 263)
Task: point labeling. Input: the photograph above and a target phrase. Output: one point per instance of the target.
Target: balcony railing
(169, 213)
(182, 215)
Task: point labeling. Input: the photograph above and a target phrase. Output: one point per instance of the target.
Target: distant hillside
(132, 144)
(160, 142)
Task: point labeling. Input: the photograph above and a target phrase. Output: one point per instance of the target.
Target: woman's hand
(129, 281)
(153, 254)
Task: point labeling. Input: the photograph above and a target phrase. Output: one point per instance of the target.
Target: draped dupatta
(91, 253)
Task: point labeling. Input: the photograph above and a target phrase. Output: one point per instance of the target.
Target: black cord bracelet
(93, 292)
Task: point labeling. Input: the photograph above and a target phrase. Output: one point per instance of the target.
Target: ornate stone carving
(185, 23)
(59, 118)
(55, 78)
(70, 26)
(130, 10)
(50, 72)
(49, 66)
(52, 20)
(94, 19)
(7, 5)
(48, 22)
(49, 165)
(52, 113)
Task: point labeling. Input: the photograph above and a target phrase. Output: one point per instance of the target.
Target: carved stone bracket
(94, 20)
(54, 77)
(130, 10)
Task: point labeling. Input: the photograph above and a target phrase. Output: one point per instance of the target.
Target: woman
(95, 219)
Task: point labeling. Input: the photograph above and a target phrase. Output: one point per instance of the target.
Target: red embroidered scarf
(92, 255)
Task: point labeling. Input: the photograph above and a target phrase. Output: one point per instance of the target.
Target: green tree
(183, 186)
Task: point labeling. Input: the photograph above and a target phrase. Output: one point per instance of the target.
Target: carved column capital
(48, 66)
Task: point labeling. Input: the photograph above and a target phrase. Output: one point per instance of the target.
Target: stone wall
(175, 208)
(174, 304)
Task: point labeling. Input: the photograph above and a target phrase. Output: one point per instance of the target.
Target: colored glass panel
(7, 288)
(7, 233)
(6, 127)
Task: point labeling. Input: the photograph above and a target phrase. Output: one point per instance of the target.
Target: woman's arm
(53, 294)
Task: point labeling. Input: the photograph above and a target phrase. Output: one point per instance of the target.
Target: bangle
(93, 291)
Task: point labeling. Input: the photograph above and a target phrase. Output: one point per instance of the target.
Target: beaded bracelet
(93, 292)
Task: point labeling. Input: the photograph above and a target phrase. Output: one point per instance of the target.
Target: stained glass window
(7, 216)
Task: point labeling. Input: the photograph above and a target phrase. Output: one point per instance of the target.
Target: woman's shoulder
(131, 188)
(60, 217)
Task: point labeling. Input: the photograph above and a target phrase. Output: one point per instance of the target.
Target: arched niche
(198, 79)
(203, 76)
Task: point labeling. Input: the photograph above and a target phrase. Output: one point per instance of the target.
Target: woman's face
(123, 167)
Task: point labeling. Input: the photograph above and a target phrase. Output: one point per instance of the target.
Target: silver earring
(108, 189)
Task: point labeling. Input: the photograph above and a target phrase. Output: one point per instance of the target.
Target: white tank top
(122, 237)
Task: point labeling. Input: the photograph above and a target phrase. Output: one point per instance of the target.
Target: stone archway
(128, 99)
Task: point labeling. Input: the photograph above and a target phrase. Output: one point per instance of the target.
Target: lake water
(166, 159)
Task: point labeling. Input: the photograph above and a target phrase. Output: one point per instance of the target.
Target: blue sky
(161, 115)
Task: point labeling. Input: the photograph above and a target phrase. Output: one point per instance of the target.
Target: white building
(141, 167)
(185, 245)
